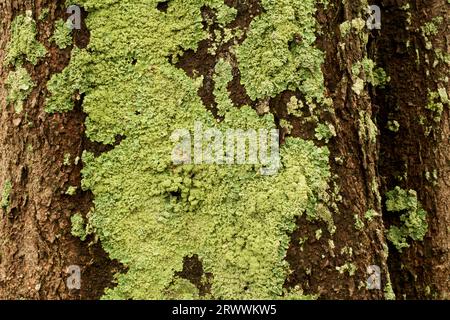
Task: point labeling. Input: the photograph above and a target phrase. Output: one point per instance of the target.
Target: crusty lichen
(366, 71)
(78, 226)
(150, 213)
(22, 47)
(62, 35)
(413, 217)
(325, 131)
(287, 58)
(436, 102)
(368, 130)
(18, 85)
(7, 188)
(23, 44)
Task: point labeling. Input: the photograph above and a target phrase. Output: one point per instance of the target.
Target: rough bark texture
(36, 246)
(422, 271)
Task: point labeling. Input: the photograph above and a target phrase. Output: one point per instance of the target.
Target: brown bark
(422, 271)
(37, 247)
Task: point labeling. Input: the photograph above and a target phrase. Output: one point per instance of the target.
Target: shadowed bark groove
(420, 146)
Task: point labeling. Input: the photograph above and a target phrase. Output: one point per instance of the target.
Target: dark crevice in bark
(193, 271)
(421, 271)
(163, 6)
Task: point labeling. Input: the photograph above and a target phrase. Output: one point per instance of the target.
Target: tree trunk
(37, 248)
(40, 151)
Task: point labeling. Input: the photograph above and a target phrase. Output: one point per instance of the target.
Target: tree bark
(37, 247)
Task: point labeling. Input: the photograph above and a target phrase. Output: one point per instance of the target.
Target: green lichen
(348, 267)
(287, 58)
(18, 85)
(347, 251)
(436, 102)
(44, 14)
(78, 226)
(318, 234)
(359, 224)
(181, 289)
(150, 213)
(223, 75)
(71, 190)
(325, 131)
(432, 177)
(393, 125)
(286, 125)
(62, 35)
(370, 214)
(413, 217)
(356, 24)
(366, 71)
(430, 29)
(66, 161)
(294, 107)
(7, 188)
(358, 85)
(389, 291)
(368, 130)
(23, 43)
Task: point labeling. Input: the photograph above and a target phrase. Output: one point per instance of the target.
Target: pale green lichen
(7, 188)
(359, 224)
(71, 190)
(430, 29)
(181, 289)
(23, 44)
(286, 125)
(287, 58)
(389, 291)
(370, 214)
(62, 35)
(358, 86)
(366, 71)
(413, 217)
(44, 14)
(357, 24)
(318, 234)
(347, 251)
(66, 160)
(325, 131)
(294, 107)
(368, 130)
(348, 267)
(18, 85)
(432, 177)
(78, 226)
(393, 125)
(150, 213)
(223, 75)
(436, 102)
